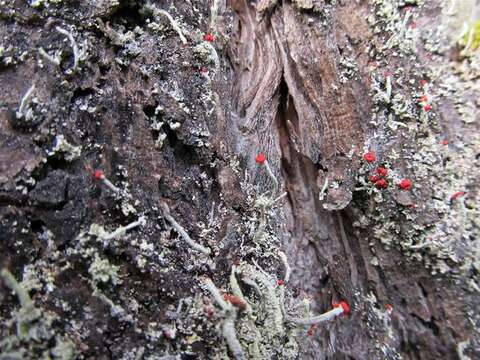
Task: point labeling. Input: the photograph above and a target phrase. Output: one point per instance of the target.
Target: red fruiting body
(344, 305)
(381, 184)
(311, 330)
(373, 178)
(405, 184)
(389, 307)
(423, 98)
(413, 25)
(235, 301)
(209, 37)
(369, 156)
(457, 195)
(209, 311)
(382, 171)
(423, 82)
(280, 282)
(260, 159)
(203, 70)
(98, 174)
(427, 107)
(445, 142)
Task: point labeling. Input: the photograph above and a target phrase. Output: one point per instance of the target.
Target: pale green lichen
(100, 232)
(103, 272)
(440, 239)
(64, 149)
(388, 20)
(228, 323)
(174, 24)
(181, 231)
(42, 3)
(35, 337)
(207, 54)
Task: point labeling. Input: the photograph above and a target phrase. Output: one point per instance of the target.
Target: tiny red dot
(209, 37)
(369, 156)
(373, 178)
(381, 184)
(98, 174)
(260, 159)
(382, 171)
(405, 184)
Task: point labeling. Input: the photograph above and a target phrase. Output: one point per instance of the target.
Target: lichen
(64, 149)
(102, 271)
(42, 3)
(35, 336)
(441, 239)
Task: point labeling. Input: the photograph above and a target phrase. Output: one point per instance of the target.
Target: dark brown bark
(300, 81)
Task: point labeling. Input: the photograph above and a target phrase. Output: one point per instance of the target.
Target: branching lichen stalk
(181, 231)
(173, 23)
(228, 325)
(73, 43)
(12, 283)
(24, 101)
(316, 319)
(288, 269)
(45, 55)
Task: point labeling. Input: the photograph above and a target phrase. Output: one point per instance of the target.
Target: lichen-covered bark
(299, 105)
(135, 94)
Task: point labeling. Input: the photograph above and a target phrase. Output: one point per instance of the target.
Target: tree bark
(129, 178)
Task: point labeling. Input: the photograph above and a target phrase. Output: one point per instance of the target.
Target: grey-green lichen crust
(32, 334)
(443, 228)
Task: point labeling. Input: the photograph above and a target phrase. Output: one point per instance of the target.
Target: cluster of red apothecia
(379, 178)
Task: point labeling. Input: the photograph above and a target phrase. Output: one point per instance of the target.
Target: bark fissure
(303, 122)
